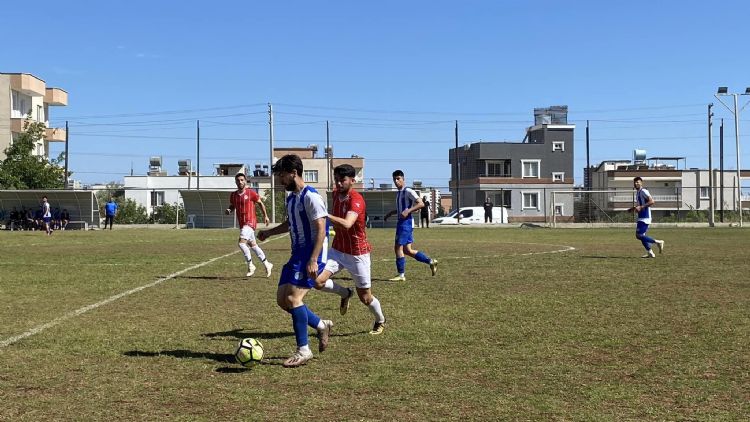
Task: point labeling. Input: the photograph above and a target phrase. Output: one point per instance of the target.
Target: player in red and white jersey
(350, 250)
(243, 201)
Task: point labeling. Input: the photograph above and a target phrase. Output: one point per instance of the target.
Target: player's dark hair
(288, 164)
(236, 176)
(637, 178)
(398, 173)
(344, 170)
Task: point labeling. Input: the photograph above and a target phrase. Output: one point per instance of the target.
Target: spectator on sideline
(424, 213)
(64, 218)
(110, 209)
(488, 210)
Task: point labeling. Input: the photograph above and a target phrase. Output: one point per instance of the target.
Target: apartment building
(520, 176)
(25, 97)
(318, 170)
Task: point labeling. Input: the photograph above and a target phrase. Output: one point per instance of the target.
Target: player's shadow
(240, 333)
(184, 354)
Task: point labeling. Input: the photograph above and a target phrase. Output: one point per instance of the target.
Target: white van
(473, 215)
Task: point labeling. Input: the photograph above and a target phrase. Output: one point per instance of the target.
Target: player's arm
(418, 204)
(347, 223)
(390, 213)
(319, 226)
(263, 210)
(281, 228)
(230, 208)
(648, 203)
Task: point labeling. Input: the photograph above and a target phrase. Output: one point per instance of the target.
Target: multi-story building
(675, 190)
(318, 171)
(518, 175)
(24, 97)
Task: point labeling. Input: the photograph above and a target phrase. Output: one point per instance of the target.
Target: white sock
(259, 252)
(321, 325)
(305, 349)
(375, 309)
(246, 252)
(331, 287)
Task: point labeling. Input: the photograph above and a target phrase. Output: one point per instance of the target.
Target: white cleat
(650, 254)
(250, 269)
(660, 245)
(269, 267)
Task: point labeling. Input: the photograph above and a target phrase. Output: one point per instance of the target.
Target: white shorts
(248, 234)
(357, 265)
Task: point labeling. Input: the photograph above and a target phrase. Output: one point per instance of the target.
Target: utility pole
(588, 172)
(65, 177)
(458, 174)
(198, 154)
(737, 144)
(711, 221)
(270, 167)
(721, 170)
(329, 158)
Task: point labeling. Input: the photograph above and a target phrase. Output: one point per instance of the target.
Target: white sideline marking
(565, 248)
(39, 328)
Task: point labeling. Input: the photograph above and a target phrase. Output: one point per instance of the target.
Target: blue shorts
(295, 271)
(641, 228)
(404, 232)
(47, 219)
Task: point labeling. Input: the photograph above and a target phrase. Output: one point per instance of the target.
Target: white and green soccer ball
(249, 352)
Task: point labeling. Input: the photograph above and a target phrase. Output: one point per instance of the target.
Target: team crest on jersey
(298, 275)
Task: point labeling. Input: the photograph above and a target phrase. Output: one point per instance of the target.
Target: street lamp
(723, 91)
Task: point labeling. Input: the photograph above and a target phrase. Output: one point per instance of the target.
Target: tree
(280, 206)
(21, 169)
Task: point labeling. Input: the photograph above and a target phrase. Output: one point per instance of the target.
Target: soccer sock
(259, 253)
(246, 251)
(299, 322)
(331, 287)
(312, 319)
(375, 309)
(400, 264)
(421, 257)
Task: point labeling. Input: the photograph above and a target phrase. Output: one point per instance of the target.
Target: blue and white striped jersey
(641, 197)
(302, 209)
(405, 199)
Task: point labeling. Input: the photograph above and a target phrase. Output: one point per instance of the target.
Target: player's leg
(400, 261)
(242, 243)
(646, 241)
(421, 257)
(259, 252)
(324, 283)
(360, 269)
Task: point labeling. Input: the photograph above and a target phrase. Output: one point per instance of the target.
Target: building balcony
(54, 134)
(56, 97)
(27, 84)
(17, 125)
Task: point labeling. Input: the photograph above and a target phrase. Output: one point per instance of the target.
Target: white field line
(39, 328)
(563, 248)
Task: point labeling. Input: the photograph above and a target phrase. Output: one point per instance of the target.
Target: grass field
(507, 330)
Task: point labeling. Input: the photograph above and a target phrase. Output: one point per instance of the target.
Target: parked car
(473, 215)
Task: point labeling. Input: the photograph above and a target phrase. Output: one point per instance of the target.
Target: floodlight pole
(270, 166)
(736, 113)
(711, 221)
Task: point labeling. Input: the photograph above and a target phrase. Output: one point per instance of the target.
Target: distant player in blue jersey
(644, 202)
(407, 201)
(306, 224)
(110, 209)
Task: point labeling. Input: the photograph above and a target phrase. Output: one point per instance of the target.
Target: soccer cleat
(299, 358)
(433, 266)
(650, 254)
(660, 245)
(378, 328)
(399, 277)
(250, 269)
(344, 306)
(269, 267)
(324, 334)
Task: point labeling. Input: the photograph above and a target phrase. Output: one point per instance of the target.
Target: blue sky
(390, 76)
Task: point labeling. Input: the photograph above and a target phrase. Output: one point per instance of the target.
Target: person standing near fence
(110, 211)
(424, 213)
(243, 201)
(644, 201)
(488, 210)
(46, 216)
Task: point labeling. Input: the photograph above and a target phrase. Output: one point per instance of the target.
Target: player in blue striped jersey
(644, 202)
(306, 225)
(407, 202)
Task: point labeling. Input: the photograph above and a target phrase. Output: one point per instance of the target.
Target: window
(497, 168)
(558, 209)
(310, 176)
(502, 199)
(558, 177)
(39, 114)
(531, 200)
(157, 198)
(704, 192)
(530, 168)
(20, 105)
(558, 146)
(467, 213)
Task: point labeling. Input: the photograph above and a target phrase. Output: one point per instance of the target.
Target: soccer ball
(249, 352)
